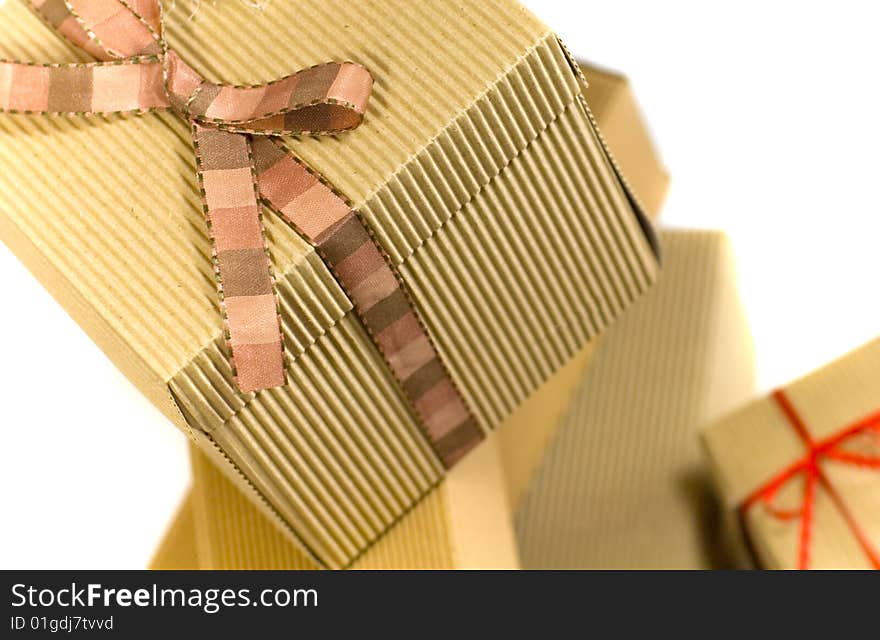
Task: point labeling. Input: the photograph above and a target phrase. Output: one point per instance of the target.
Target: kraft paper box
(799, 470)
(622, 483)
(464, 524)
(526, 432)
(478, 169)
(229, 533)
(613, 103)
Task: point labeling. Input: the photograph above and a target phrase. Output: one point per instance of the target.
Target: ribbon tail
(241, 260)
(806, 534)
(128, 86)
(344, 240)
(864, 540)
(857, 459)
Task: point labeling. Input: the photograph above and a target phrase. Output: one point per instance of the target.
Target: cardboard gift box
(615, 107)
(622, 483)
(799, 470)
(491, 230)
(525, 433)
(217, 527)
(464, 524)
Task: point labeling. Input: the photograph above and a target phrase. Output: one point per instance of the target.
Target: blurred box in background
(622, 484)
(614, 105)
(799, 471)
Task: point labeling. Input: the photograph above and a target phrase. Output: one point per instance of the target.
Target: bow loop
(106, 29)
(323, 99)
(326, 98)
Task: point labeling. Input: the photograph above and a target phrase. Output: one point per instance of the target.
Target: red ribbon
(809, 466)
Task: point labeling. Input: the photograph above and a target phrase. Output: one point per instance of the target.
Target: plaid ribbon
(241, 164)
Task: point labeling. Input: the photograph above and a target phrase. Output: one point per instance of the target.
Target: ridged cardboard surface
(464, 524)
(239, 536)
(613, 103)
(477, 167)
(526, 432)
(622, 484)
(755, 443)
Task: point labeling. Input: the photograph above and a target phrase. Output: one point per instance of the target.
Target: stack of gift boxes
(488, 358)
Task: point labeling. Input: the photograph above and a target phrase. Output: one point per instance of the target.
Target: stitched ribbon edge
(450, 443)
(344, 240)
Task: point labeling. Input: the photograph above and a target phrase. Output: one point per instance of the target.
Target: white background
(768, 117)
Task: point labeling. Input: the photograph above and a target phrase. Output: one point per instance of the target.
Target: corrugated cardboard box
(478, 169)
(230, 533)
(622, 483)
(464, 524)
(526, 432)
(614, 105)
(799, 471)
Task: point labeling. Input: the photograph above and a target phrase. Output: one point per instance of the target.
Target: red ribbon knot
(814, 476)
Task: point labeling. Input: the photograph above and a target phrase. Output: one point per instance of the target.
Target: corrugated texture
(225, 524)
(472, 150)
(220, 528)
(753, 444)
(525, 433)
(121, 219)
(311, 302)
(338, 499)
(445, 183)
(338, 449)
(621, 484)
(480, 172)
(431, 60)
(615, 107)
(568, 271)
(153, 250)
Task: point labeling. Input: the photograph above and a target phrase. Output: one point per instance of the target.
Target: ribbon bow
(808, 466)
(242, 165)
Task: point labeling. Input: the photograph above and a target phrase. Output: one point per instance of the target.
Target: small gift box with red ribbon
(799, 471)
(336, 243)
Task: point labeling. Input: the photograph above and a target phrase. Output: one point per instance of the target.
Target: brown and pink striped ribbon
(241, 166)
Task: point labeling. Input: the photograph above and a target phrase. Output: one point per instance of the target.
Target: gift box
(799, 470)
(231, 533)
(464, 524)
(614, 106)
(429, 268)
(622, 483)
(526, 432)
